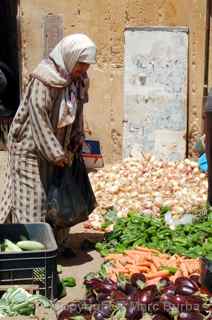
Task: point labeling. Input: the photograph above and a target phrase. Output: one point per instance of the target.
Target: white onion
(145, 185)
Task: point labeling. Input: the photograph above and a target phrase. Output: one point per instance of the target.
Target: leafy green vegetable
(69, 282)
(164, 210)
(103, 272)
(110, 218)
(17, 301)
(192, 240)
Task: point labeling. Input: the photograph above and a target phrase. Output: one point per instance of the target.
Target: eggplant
(170, 290)
(146, 296)
(118, 296)
(167, 303)
(71, 309)
(190, 316)
(186, 291)
(187, 303)
(65, 314)
(130, 289)
(137, 278)
(196, 278)
(106, 310)
(134, 312)
(103, 297)
(106, 285)
(98, 315)
(160, 316)
(164, 282)
(187, 282)
(91, 299)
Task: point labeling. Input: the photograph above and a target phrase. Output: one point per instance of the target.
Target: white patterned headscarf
(55, 71)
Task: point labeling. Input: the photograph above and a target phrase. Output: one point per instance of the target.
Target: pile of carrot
(152, 263)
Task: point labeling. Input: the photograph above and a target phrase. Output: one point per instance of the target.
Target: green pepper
(69, 282)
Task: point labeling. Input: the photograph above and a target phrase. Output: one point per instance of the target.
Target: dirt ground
(84, 262)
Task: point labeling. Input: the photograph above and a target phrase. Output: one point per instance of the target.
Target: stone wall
(104, 21)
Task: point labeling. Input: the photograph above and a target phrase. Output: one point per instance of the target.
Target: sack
(91, 154)
(70, 197)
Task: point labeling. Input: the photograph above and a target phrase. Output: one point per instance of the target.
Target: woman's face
(79, 69)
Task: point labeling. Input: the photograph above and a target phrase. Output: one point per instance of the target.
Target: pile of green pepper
(193, 240)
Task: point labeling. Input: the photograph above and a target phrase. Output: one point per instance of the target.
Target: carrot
(184, 269)
(140, 269)
(153, 281)
(149, 265)
(119, 267)
(156, 262)
(147, 250)
(113, 256)
(150, 261)
(113, 277)
(178, 274)
(158, 274)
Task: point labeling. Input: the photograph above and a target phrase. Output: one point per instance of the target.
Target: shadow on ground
(87, 260)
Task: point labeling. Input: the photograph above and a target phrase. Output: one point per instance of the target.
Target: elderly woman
(48, 122)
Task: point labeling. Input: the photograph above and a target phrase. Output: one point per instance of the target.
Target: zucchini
(11, 247)
(29, 245)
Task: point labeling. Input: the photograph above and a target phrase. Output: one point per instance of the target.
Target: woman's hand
(62, 162)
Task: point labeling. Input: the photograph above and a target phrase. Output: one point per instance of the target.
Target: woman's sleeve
(40, 102)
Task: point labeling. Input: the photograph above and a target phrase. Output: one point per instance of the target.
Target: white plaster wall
(155, 92)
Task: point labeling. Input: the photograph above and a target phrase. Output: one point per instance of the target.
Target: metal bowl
(206, 273)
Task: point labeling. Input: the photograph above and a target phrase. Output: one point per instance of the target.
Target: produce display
(193, 240)
(23, 245)
(17, 301)
(152, 264)
(134, 299)
(146, 185)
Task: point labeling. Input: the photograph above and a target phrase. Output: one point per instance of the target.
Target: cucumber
(11, 247)
(29, 245)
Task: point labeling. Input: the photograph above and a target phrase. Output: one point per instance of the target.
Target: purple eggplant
(167, 303)
(146, 296)
(91, 299)
(196, 278)
(98, 285)
(71, 309)
(161, 316)
(64, 315)
(190, 316)
(170, 290)
(133, 312)
(130, 289)
(98, 315)
(186, 291)
(103, 297)
(164, 283)
(118, 295)
(187, 303)
(186, 282)
(106, 310)
(137, 278)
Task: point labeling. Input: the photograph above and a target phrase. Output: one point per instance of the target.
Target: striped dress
(34, 137)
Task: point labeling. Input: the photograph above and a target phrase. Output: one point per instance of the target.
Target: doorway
(9, 66)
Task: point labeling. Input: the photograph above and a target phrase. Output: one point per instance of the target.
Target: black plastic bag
(70, 197)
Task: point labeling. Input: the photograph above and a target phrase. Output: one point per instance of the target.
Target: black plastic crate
(35, 268)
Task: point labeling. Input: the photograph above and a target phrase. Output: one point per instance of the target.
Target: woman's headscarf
(55, 71)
